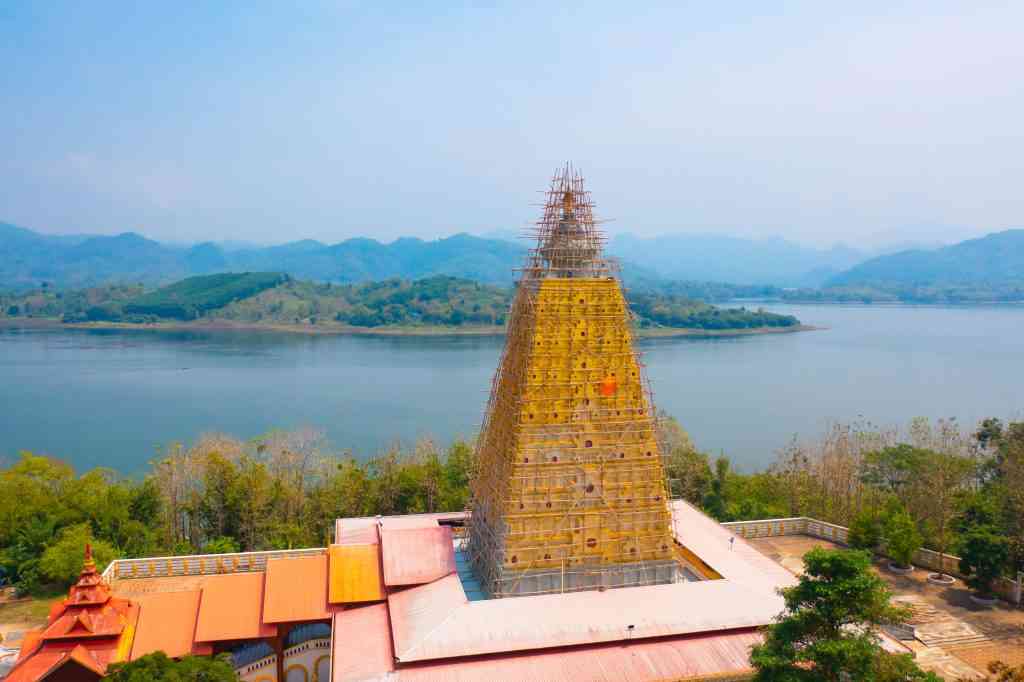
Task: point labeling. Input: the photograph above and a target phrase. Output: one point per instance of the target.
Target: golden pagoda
(570, 492)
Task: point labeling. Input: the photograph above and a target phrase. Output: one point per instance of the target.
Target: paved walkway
(955, 637)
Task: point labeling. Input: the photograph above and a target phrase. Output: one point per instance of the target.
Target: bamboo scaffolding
(570, 491)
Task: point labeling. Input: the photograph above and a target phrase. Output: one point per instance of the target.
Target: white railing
(256, 665)
(1009, 590)
(200, 564)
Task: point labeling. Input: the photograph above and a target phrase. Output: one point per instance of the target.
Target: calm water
(113, 397)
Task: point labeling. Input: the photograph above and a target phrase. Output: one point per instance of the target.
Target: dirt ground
(20, 615)
(955, 636)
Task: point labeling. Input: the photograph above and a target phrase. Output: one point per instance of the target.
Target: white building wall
(263, 670)
(308, 662)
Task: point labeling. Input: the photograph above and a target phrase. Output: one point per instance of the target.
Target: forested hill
(275, 299)
(995, 260)
(29, 259)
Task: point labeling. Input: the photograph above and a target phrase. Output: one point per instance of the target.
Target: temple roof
(89, 629)
(400, 611)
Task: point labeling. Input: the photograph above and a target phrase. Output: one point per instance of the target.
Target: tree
(159, 667)
(715, 500)
(62, 561)
(943, 475)
(902, 539)
(865, 530)
(983, 556)
(894, 468)
(828, 630)
(221, 545)
(688, 470)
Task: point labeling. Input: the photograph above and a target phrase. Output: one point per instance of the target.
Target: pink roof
(421, 520)
(414, 556)
(357, 530)
(740, 563)
(362, 531)
(679, 658)
(437, 621)
(362, 644)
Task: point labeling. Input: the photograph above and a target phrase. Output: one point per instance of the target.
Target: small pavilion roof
(88, 630)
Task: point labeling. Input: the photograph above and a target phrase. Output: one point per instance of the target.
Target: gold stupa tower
(570, 492)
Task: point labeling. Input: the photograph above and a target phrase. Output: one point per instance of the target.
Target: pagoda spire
(90, 586)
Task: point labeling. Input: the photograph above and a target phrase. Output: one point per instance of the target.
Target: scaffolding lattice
(570, 492)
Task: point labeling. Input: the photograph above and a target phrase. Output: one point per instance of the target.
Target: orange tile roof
(30, 642)
(106, 620)
(296, 590)
(88, 630)
(50, 657)
(231, 608)
(167, 622)
(355, 574)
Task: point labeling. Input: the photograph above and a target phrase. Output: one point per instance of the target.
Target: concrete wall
(1007, 589)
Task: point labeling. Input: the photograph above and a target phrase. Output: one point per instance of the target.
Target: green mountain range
(993, 259)
(29, 259)
(694, 266)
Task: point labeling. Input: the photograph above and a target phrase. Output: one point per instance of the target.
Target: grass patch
(32, 610)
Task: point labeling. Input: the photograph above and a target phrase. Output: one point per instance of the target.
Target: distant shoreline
(344, 330)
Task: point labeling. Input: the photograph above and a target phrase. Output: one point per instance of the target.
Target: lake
(113, 398)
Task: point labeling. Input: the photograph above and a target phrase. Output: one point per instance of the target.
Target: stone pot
(987, 602)
(941, 579)
(900, 570)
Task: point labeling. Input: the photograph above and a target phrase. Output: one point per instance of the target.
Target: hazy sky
(820, 122)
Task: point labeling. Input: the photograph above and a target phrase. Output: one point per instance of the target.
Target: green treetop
(828, 630)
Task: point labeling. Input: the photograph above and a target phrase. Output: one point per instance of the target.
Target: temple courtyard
(953, 636)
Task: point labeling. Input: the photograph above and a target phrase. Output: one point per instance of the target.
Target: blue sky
(865, 123)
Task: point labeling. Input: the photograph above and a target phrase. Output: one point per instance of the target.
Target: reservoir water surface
(113, 398)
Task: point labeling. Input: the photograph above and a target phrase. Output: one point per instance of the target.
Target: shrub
(865, 531)
(158, 666)
(902, 539)
(221, 545)
(983, 556)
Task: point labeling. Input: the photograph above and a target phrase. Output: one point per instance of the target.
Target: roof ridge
(440, 624)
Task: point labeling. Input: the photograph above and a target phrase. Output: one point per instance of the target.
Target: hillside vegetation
(274, 299)
(190, 298)
(995, 259)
